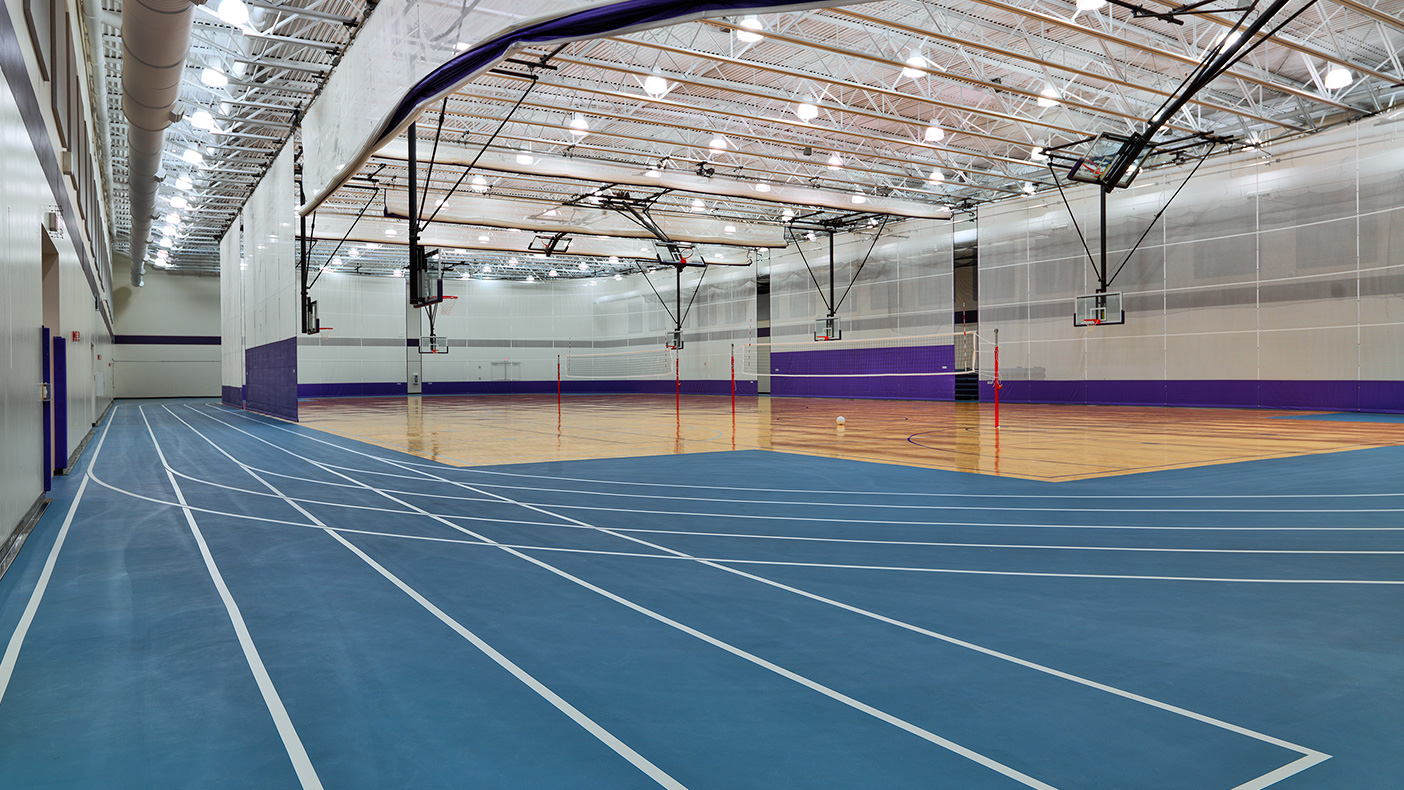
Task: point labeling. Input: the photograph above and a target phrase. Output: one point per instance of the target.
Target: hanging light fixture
(233, 12)
(478, 184)
(806, 111)
(936, 176)
(698, 206)
(1338, 78)
(1090, 5)
(1048, 97)
(835, 162)
(184, 183)
(934, 133)
(1028, 188)
(750, 32)
(579, 126)
(718, 143)
(584, 267)
(213, 77)
(655, 85)
(915, 67)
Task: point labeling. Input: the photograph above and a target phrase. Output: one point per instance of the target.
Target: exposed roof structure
(936, 104)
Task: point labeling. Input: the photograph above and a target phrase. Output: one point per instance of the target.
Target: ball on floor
(841, 421)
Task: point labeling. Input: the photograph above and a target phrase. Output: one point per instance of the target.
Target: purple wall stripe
(365, 389)
(807, 369)
(232, 396)
(1372, 396)
(270, 376)
(167, 340)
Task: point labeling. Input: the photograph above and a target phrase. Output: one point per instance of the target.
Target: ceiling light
(553, 272)
(761, 186)
(169, 230)
(835, 162)
(934, 134)
(698, 206)
(751, 30)
(213, 77)
(654, 173)
(1090, 5)
(718, 143)
(936, 176)
(1338, 78)
(202, 119)
(483, 239)
(618, 276)
(398, 273)
(787, 215)
(1028, 188)
(336, 261)
(806, 111)
(179, 202)
(655, 86)
(167, 242)
(584, 267)
(524, 158)
(391, 232)
(859, 198)
(191, 156)
(809, 235)
(1048, 97)
(530, 278)
(915, 67)
(512, 262)
(579, 126)
(487, 268)
(479, 184)
(465, 276)
(538, 255)
(173, 218)
(613, 259)
(184, 183)
(729, 229)
(162, 254)
(370, 245)
(355, 253)
(233, 12)
(1036, 153)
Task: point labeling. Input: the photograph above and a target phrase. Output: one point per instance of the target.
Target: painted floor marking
(813, 685)
(1309, 758)
(302, 764)
(12, 649)
(526, 678)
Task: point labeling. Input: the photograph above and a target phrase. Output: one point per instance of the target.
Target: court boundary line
(646, 766)
(36, 596)
(794, 677)
(287, 732)
(1309, 758)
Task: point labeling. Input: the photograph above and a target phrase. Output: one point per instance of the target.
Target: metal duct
(155, 40)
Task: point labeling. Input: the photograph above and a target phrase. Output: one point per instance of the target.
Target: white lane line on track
(728, 560)
(752, 536)
(1310, 757)
(813, 685)
(16, 643)
(526, 678)
(302, 764)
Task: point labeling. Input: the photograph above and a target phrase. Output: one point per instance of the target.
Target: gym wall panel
(905, 289)
(1270, 281)
(231, 311)
(270, 292)
(167, 336)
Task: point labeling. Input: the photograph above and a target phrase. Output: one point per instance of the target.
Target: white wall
(24, 198)
(511, 330)
(176, 307)
(1288, 268)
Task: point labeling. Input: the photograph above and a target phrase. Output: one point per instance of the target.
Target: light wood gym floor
(1035, 442)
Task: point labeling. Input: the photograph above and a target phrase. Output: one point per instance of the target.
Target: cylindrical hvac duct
(155, 40)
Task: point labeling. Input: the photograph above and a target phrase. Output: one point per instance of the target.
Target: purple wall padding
(572, 387)
(806, 369)
(1372, 396)
(232, 396)
(270, 376)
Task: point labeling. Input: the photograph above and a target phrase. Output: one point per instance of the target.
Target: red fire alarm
(75, 336)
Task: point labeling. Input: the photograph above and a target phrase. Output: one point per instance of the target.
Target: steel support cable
(694, 294)
(483, 150)
(433, 154)
(344, 237)
(1091, 261)
(807, 268)
(871, 247)
(1159, 214)
(661, 300)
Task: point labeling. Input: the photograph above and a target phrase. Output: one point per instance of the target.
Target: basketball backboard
(1098, 310)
